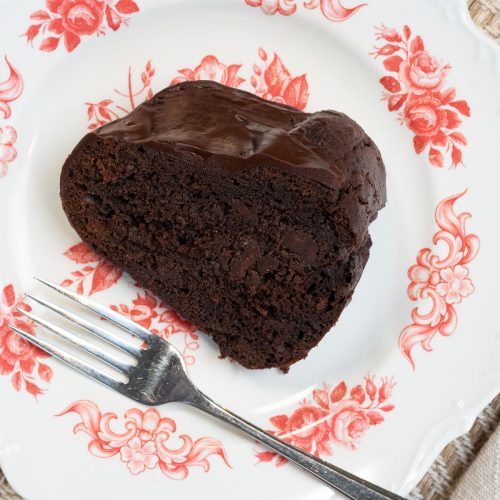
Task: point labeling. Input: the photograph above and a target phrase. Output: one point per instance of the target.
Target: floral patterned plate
(414, 357)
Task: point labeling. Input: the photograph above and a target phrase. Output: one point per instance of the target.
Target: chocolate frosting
(207, 118)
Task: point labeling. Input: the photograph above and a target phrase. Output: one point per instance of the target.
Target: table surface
(457, 456)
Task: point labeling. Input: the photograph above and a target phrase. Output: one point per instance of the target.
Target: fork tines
(122, 366)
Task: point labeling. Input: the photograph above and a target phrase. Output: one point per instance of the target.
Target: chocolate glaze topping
(207, 118)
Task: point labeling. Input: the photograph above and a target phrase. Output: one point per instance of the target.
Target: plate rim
(463, 422)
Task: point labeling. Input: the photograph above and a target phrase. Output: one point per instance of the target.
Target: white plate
(390, 441)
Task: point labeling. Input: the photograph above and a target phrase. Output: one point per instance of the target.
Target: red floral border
(144, 444)
(70, 20)
(442, 281)
(334, 417)
(333, 10)
(20, 359)
(417, 80)
(10, 90)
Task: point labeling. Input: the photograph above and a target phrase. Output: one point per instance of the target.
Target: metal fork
(159, 376)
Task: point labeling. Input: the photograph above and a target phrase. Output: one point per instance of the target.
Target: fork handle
(348, 484)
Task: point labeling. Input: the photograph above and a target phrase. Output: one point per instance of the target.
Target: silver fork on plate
(159, 376)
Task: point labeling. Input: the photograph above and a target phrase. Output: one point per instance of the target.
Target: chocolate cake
(249, 217)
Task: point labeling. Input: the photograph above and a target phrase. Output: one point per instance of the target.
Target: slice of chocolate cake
(249, 217)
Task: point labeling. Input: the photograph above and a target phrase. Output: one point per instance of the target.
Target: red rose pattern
(422, 73)
(70, 20)
(273, 81)
(333, 10)
(162, 320)
(10, 90)
(442, 281)
(417, 87)
(94, 274)
(210, 68)
(144, 442)
(332, 418)
(19, 359)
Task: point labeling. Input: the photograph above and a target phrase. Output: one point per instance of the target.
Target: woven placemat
(442, 477)
(486, 14)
